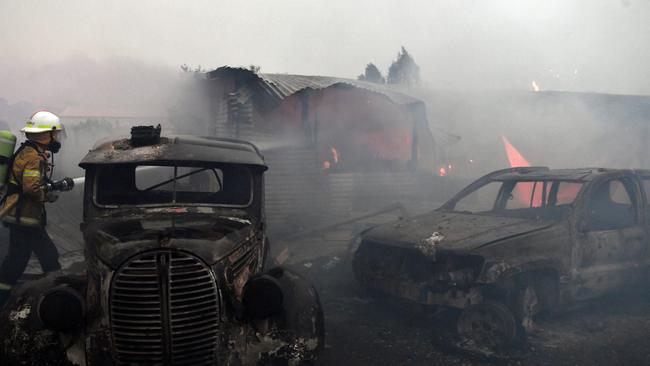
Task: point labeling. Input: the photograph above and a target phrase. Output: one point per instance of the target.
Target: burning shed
(334, 146)
(374, 126)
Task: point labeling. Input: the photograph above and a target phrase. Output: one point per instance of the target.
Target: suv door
(611, 238)
(645, 206)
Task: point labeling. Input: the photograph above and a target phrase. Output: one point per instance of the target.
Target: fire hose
(63, 185)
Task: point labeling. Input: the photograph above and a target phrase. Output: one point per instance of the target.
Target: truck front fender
(24, 338)
(296, 333)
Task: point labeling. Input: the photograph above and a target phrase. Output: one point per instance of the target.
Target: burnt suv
(514, 244)
(175, 250)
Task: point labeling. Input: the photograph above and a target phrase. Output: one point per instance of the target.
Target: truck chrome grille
(165, 311)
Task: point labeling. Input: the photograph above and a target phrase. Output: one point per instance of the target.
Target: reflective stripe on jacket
(29, 173)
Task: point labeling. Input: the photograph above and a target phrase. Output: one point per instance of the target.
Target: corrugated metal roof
(285, 85)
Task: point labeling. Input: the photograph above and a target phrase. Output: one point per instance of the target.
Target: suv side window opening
(541, 198)
(482, 199)
(540, 194)
(613, 205)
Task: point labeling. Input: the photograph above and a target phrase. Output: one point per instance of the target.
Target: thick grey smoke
(577, 45)
(103, 98)
(555, 129)
(90, 58)
(108, 65)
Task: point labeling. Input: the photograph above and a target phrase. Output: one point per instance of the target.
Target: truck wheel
(489, 325)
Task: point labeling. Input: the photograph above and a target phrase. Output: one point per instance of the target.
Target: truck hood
(211, 238)
(445, 230)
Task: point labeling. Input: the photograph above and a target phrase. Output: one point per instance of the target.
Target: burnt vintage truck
(174, 267)
(514, 244)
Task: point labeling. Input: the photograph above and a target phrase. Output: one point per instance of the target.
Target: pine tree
(404, 70)
(372, 75)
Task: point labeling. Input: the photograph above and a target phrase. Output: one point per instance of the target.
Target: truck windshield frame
(159, 185)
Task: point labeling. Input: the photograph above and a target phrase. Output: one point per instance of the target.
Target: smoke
(477, 59)
(100, 98)
(575, 45)
(105, 66)
(94, 58)
(555, 129)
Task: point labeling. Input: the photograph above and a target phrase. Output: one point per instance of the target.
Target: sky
(575, 45)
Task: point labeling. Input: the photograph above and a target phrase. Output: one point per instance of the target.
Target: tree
(197, 73)
(372, 75)
(404, 70)
(188, 68)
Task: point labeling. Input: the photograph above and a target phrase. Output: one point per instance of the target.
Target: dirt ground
(366, 330)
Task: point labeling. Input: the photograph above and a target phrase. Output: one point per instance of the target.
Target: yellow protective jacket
(26, 187)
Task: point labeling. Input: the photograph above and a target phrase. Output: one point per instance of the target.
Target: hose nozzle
(63, 185)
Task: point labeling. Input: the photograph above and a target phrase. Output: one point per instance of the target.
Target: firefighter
(27, 189)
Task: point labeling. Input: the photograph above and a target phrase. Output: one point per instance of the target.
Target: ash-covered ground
(364, 329)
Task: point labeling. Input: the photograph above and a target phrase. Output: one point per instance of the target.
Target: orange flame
(522, 191)
(335, 155)
(566, 193)
(535, 87)
(514, 156)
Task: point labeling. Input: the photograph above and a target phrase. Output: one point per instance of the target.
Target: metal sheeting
(281, 86)
(295, 189)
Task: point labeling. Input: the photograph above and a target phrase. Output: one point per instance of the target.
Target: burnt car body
(175, 251)
(514, 244)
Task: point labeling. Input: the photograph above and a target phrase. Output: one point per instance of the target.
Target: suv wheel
(489, 325)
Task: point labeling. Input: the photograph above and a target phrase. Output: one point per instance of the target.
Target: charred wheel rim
(164, 310)
(488, 325)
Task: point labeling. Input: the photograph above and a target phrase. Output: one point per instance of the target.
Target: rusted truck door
(611, 237)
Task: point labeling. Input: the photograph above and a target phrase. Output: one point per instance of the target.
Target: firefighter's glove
(51, 197)
(63, 185)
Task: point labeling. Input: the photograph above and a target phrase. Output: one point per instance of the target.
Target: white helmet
(43, 121)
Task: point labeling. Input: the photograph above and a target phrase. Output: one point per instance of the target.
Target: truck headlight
(61, 309)
(262, 297)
